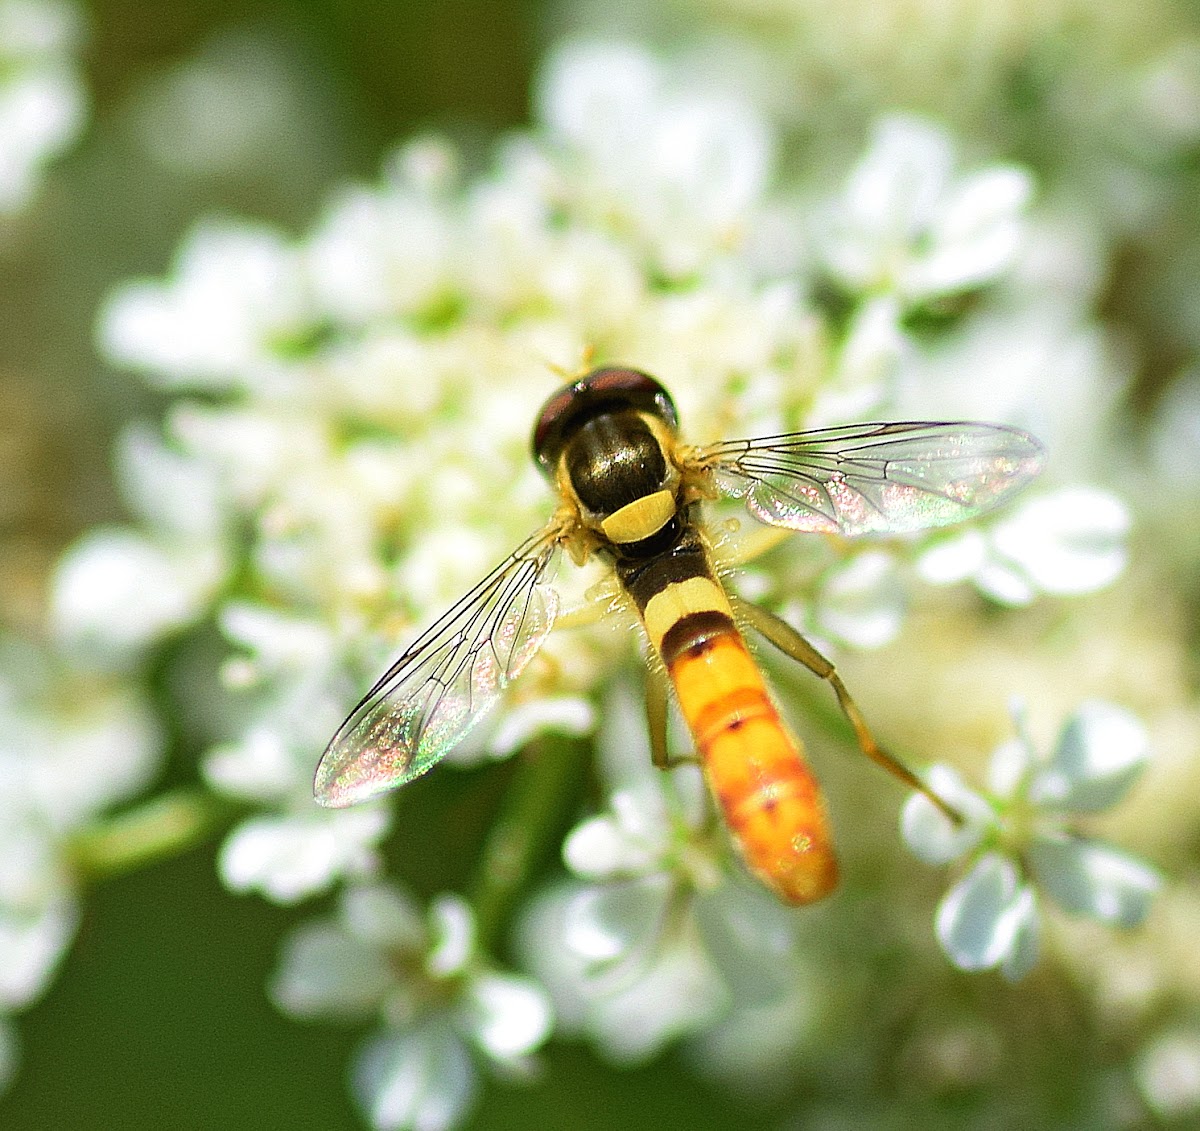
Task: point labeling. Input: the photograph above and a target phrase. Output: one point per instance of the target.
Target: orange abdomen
(755, 768)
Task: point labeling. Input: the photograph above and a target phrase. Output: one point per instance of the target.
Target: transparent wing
(876, 478)
(429, 699)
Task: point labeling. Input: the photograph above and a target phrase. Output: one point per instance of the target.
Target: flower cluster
(344, 453)
(653, 940)
(440, 1007)
(1017, 839)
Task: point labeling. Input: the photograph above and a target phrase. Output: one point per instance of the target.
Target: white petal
(173, 492)
(587, 87)
(605, 923)
(415, 1081)
(952, 558)
(1100, 753)
(42, 108)
(1068, 542)
(384, 915)
(750, 938)
(601, 847)
(895, 187)
(929, 833)
(31, 943)
(1023, 951)
(563, 714)
(276, 639)
(1168, 1074)
(259, 767)
(289, 858)
(325, 972)
(452, 929)
(510, 1017)
(978, 919)
(1090, 878)
(1010, 767)
(975, 236)
(1004, 583)
(862, 602)
(378, 254)
(115, 591)
(97, 752)
(670, 991)
(236, 290)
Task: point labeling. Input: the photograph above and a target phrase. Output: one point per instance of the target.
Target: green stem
(548, 772)
(164, 826)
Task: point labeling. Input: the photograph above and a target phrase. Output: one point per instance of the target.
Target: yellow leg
(657, 692)
(658, 695)
(791, 643)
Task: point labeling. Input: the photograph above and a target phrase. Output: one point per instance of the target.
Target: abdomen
(754, 766)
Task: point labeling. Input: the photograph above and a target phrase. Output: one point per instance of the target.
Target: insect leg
(657, 694)
(791, 643)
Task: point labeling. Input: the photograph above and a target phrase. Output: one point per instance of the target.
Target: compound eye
(611, 389)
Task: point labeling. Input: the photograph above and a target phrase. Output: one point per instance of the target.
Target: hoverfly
(631, 493)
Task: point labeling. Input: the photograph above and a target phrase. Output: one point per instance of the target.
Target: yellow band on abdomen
(667, 607)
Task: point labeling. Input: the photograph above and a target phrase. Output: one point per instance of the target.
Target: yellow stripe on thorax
(640, 519)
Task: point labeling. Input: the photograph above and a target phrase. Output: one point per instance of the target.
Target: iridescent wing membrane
(875, 478)
(432, 695)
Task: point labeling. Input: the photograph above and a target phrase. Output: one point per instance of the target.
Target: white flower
(1168, 1073)
(442, 1008)
(290, 857)
(115, 591)
(32, 940)
(70, 746)
(376, 255)
(1065, 543)
(905, 225)
(43, 103)
(685, 169)
(614, 973)
(1020, 844)
(238, 297)
(861, 602)
(653, 945)
(420, 1079)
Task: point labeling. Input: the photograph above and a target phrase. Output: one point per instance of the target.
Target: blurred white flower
(1065, 543)
(43, 102)
(1019, 843)
(683, 168)
(656, 943)
(1168, 1073)
(860, 602)
(115, 591)
(905, 225)
(291, 857)
(375, 255)
(442, 1009)
(70, 746)
(239, 297)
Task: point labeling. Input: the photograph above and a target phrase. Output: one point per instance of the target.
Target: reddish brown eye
(602, 390)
